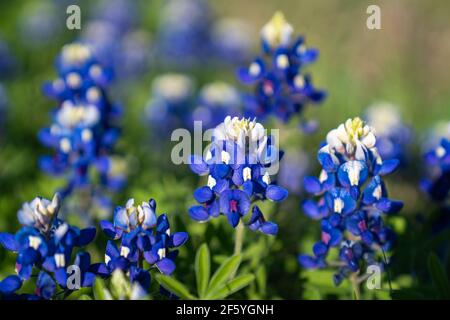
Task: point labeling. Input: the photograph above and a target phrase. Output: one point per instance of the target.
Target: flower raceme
(143, 236)
(45, 244)
(84, 129)
(437, 160)
(281, 87)
(352, 199)
(237, 164)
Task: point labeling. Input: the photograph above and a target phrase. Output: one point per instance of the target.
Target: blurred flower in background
(85, 126)
(189, 35)
(41, 22)
(217, 100)
(114, 34)
(3, 106)
(281, 88)
(393, 136)
(7, 60)
(437, 164)
(171, 102)
(352, 201)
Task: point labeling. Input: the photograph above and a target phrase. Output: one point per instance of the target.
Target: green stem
(238, 242)
(239, 238)
(355, 286)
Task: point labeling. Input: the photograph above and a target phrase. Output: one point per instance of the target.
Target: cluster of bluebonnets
(237, 165)
(352, 199)
(281, 87)
(238, 168)
(85, 125)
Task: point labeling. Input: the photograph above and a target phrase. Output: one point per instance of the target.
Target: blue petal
(312, 185)
(326, 161)
(10, 284)
(199, 213)
(198, 166)
(166, 266)
(276, 193)
(388, 166)
(389, 206)
(179, 238)
(320, 249)
(269, 228)
(233, 218)
(203, 194)
(307, 262)
(8, 241)
(45, 286)
(86, 236)
(108, 228)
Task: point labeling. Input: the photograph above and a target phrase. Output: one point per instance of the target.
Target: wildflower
(84, 129)
(237, 168)
(437, 160)
(8, 62)
(352, 199)
(216, 101)
(112, 32)
(45, 243)
(172, 97)
(143, 236)
(3, 106)
(281, 87)
(189, 34)
(393, 136)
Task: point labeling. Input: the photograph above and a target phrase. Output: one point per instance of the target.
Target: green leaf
(174, 286)
(224, 272)
(84, 297)
(100, 291)
(439, 277)
(202, 269)
(233, 286)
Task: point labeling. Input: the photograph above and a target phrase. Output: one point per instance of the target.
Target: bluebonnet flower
(393, 136)
(3, 106)
(281, 88)
(7, 61)
(143, 236)
(189, 34)
(112, 32)
(172, 99)
(45, 244)
(352, 199)
(231, 41)
(85, 124)
(238, 165)
(39, 23)
(216, 101)
(437, 161)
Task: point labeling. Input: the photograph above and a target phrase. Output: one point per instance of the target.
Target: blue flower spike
(352, 199)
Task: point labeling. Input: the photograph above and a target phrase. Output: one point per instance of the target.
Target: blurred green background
(406, 63)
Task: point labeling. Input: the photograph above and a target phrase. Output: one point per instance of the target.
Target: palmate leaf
(223, 274)
(232, 286)
(202, 269)
(438, 276)
(174, 286)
